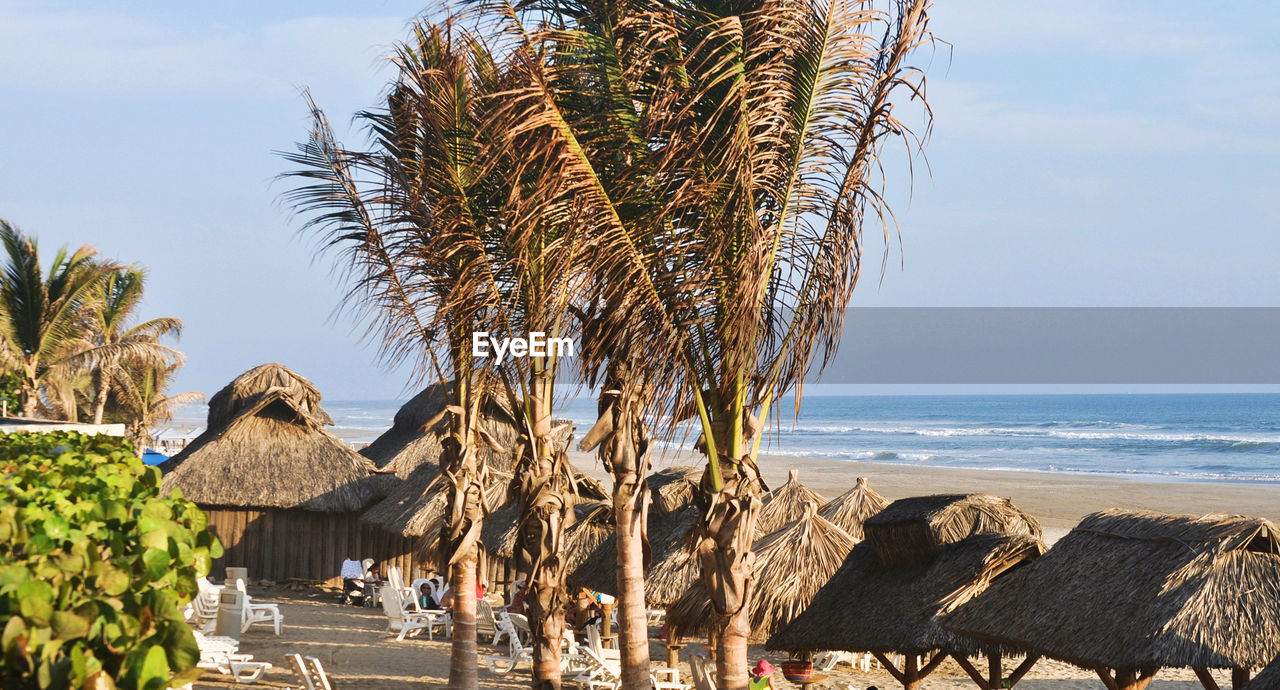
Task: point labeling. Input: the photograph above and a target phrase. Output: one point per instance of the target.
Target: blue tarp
(152, 457)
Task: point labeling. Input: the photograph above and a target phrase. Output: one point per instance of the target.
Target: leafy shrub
(95, 566)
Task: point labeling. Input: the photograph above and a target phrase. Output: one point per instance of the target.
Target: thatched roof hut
(1269, 679)
(792, 564)
(786, 504)
(418, 429)
(852, 508)
(673, 488)
(672, 566)
(499, 531)
(417, 507)
(265, 446)
(1138, 591)
(922, 558)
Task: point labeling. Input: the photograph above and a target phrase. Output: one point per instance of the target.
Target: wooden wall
(280, 544)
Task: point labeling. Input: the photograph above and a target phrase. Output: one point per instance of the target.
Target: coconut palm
(42, 317)
(411, 216)
(110, 343)
(141, 399)
(768, 121)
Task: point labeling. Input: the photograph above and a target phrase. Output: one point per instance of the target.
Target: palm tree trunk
(29, 395)
(100, 401)
(466, 516)
(726, 530)
(545, 491)
(623, 440)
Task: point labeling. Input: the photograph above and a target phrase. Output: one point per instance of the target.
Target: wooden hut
(282, 493)
(1128, 593)
(854, 507)
(922, 558)
(786, 504)
(791, 565)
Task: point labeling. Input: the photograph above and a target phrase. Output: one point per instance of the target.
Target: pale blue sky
(1083, 154)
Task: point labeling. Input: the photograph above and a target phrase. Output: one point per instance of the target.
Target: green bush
(95, 566)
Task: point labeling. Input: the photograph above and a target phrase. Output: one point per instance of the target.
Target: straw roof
(912, 528)
(418, 507)
(672, 566)
(791, 565)
(888, 599)
(499, 531)
(265, 446)
(410, 442)
(852, 508)
(674, 487)
(1141, 591)
(786, 504)
(1269, 679)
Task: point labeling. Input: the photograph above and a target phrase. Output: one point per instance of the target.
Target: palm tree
(142, 401)
(412, 216)
(111, 343)
(42, 317)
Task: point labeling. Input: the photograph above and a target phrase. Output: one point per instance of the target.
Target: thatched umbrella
(786, 503)
(851, 509)
(1269, 679)
(419, 428)
(673, 488)
(922, 558)
(1128, 593)
(792, 564)
(672, 565)
(499, 534)
(265, 446)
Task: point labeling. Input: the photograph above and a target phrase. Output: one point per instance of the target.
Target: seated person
(517, 597)
(352, 582)
(760, 677)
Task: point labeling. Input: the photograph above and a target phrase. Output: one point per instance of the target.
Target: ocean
(1209, 437)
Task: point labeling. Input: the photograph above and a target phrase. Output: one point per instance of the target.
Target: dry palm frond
(1143, 590)
(786, 504)
(792, 564)
(852, 508)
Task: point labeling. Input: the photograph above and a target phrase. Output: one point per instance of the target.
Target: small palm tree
(142, 401)
(42, 317)
(111, 343)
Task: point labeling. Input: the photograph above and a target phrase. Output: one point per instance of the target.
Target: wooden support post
(888, 666)
(1022, 669)
(911, 671)
(968, 667)
(995, 671)
(1239, 677)
(673, 648)
(1206, 679)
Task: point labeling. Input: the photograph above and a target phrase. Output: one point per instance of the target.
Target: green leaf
(155, 669)
(36, 597)
(68, 625)
(56, 527)
(157, 562)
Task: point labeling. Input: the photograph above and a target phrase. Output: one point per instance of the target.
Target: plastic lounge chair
(202, 612)
(310, 672)
(703, 676)
(486, 622)
(598, 672)
(221, 654)
(656, 617)
(405, 622)
(517, 652)
(259, 613)
(396, 578)
(668, 679)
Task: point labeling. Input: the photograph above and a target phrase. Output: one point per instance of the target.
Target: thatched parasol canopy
(673, 488)
(888, 599)
(851, 509)
(418, 506)
(499, 534)
(672, 567)
(792, 564)
(416, 434)
(265, 446)
(1139, 591)
(1269, 679)
(786, 503)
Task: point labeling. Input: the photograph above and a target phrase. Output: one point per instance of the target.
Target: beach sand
(353, 646)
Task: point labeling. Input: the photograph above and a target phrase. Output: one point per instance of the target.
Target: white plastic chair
(258, 613)
(202, 612)
(656, 617)
(598, 672)
(704, 677)
(509, 626)
(405, 622)
(668, 679)
(486, 622)
(309, 671)
(221, 654)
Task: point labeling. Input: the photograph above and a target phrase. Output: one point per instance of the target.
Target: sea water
(1208, 437)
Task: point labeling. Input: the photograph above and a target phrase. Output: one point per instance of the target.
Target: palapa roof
(673, 487)
(417, 507)
(418, 429)
(672, 566)
(885, 598)
(499, 531)
(1142, 591)
(265, 446)
(792, 564)
(851, 509)
(786, 504)
(1268, 679)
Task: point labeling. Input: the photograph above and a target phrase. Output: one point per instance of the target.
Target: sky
(1086, 154)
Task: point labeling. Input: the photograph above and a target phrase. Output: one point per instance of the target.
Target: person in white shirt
(352, 582)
